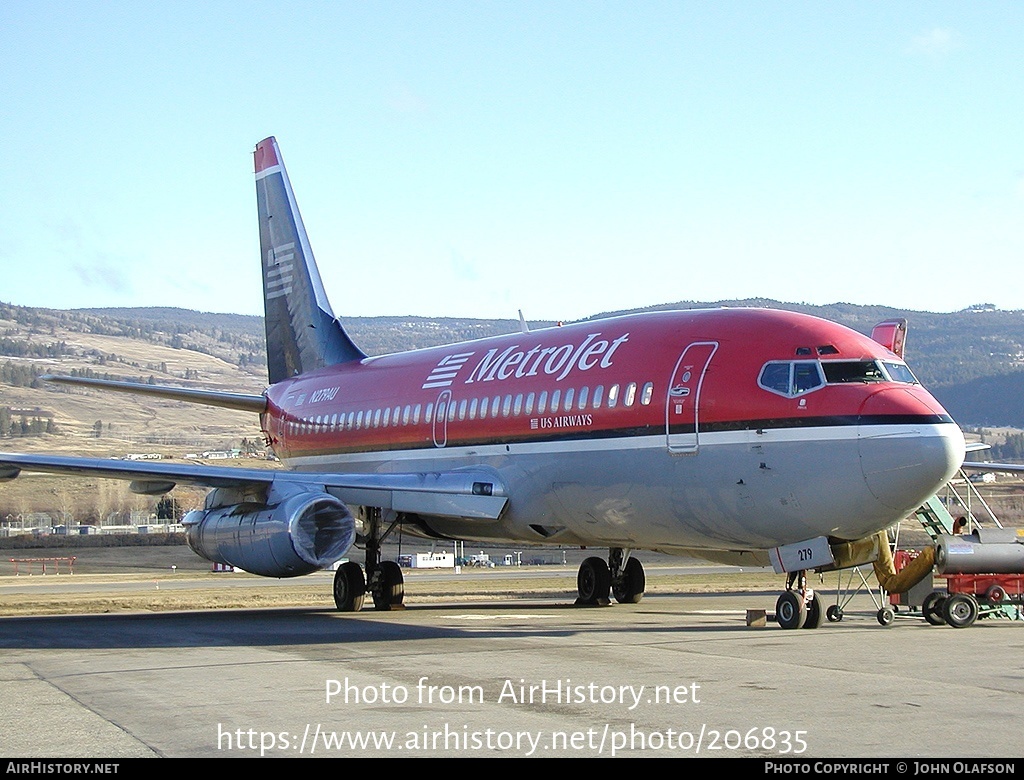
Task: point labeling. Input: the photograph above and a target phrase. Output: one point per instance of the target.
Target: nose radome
(908, 446)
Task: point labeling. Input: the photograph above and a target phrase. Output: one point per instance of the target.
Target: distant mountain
(972, 360)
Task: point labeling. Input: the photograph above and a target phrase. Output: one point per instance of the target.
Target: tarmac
(675, 675)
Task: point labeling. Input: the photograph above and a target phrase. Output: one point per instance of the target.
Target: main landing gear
(623, 577)
(799, 606)
(383, 580)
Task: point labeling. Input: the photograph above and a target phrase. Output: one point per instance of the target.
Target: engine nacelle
(304, 532)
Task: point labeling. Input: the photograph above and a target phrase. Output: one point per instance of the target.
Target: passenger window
(451, 411)
(428, 414)
(613, 396)
(581, 402)
(495, 405)
(556, 396)
(376, 418)
(529, 404)
(630, 394)
(473, 403)
(517, 407)
(647, 394)
(598, 395)
(462, 409)
(568, 399)
(387, 417)
(506, 408)
(483, 409)
(542, 402)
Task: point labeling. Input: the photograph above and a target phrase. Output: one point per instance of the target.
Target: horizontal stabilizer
(238, 401)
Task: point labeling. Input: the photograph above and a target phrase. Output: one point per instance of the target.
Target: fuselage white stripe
(631, 443)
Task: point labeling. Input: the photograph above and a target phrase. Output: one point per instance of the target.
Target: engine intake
(303, 533)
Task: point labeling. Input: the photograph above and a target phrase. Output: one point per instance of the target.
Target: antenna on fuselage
(523, 327)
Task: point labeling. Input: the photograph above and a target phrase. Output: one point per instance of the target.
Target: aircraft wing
(1013, 468)
(473, 493)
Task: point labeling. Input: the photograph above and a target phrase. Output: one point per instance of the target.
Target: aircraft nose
(908, 446)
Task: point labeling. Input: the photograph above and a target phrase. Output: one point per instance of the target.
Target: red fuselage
(725, 429)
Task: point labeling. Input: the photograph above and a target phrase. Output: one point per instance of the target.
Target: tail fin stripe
(276, 274)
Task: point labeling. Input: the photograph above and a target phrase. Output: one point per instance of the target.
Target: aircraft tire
(629, 588)
(814, 613)
(790, 611)
(834, 613)
(349, 587)
(960, 610)
(886, 616)
(390, 593)
(932, 608)
(593, 582)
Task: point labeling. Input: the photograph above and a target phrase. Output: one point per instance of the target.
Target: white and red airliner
(738, 435)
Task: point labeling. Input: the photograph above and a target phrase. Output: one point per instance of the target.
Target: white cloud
(934, 42)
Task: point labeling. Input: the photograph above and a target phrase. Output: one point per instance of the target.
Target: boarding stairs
(936, 518)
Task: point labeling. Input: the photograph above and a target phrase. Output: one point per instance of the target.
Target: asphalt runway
(676, 675)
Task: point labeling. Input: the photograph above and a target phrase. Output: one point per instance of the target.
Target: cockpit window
(775, 377)
(791, 378)
(838, 372)
(899, 372)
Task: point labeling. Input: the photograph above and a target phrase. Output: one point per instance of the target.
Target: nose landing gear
(799, 606)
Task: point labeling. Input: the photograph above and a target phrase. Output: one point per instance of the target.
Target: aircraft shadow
(298, 626)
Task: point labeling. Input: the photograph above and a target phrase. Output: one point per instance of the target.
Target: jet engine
(294, 531)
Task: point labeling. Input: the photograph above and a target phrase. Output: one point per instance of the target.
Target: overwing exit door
(682, 402)
(440, 429)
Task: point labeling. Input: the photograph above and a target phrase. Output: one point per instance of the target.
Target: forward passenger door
(682, 403)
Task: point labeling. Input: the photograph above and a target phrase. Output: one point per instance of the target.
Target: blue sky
(474, 158)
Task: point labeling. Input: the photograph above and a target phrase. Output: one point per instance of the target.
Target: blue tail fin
(302, 332)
